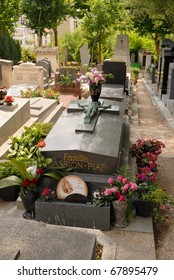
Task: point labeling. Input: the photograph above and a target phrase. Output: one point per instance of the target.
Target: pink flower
(121, 197)
(153, 177)
(120, 178)
(107, 192)
(125, 188)
(124, 180)
(110, 181)
(162, 207)
(114, 190)
(141, 176)
(151, 164)
(133, 186)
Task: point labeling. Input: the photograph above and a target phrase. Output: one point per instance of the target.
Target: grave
(93, 152)
(122, 49)
(166, 57)
(29, 74)
(6, 72)
(114, 87)
(51, 53)
(84, 55)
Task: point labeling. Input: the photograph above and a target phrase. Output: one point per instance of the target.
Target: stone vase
(28, 200)
(119, 214)
(95, 91)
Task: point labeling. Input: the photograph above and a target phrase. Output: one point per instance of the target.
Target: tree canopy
(9, 14)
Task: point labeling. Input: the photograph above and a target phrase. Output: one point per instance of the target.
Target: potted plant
(3, 92)
(152, 201)
(121, 193)
(135, 74)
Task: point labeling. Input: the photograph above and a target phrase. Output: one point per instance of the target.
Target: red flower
(9, 98)
(39, 171)
(121, 197)
(46, 191)
(34, 180)
(41, 144)
(26, 182)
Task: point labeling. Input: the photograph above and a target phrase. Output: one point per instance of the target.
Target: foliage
(47, 93)
(27, 179)
(142, 147)
(29, 93)
(9, 48)
(24, 147)
(72, 43)
(46, 14)
(65, 79)
(9, 13)
(97, 24)
(6, 169)
(28, 54)
(51, 94)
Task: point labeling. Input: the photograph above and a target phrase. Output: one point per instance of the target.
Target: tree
(98, 22)
(9, 14)
(42, 14)
(150, 18)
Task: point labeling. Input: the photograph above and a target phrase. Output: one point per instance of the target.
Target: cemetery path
(147, 122)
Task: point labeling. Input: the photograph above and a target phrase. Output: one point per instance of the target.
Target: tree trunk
(39, 34)
(55, 37)
(99, 51)
(157, 44)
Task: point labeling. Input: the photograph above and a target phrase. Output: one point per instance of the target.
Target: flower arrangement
(3, 89)
(141, 147)
(94, 77)
(120, 189)
(51, 94)
(48, 195)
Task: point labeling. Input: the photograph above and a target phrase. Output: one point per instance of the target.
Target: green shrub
(9, 48)
(28, 54)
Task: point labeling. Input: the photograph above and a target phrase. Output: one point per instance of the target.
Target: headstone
(122, 52)
(170, 83)
(132, 58)
(142, 57)
(84, 55)
(118, 69)
(51, 53)
(148, 59)
(166, 57)
(6, 72)
(46, 64)
(28, 73)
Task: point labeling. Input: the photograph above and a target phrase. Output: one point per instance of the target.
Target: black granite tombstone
(170, 84)
(114, 87)
(166, 57)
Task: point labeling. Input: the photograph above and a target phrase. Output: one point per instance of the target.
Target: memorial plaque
(122, 49)
(71, 184)
(112, 91)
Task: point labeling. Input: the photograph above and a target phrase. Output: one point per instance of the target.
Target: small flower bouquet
(120, 189)
(94, 77)
(48, 195)
(9, 99)
(141, 147)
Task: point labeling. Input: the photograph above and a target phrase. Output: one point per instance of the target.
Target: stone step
(6, 145)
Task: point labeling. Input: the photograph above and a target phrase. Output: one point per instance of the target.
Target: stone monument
(122, 52)
(84, 55)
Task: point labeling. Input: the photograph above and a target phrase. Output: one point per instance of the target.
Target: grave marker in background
(122, 49)
(84, 55)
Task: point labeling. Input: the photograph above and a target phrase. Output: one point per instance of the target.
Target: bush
(9, 48)
(28, 54)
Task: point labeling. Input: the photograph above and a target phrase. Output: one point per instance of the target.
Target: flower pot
(10, 193)
(144, 208)
(95, 91)
(119, 214)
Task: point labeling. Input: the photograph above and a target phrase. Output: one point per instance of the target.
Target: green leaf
(10, 181)
(21, 167)
(53, 175)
